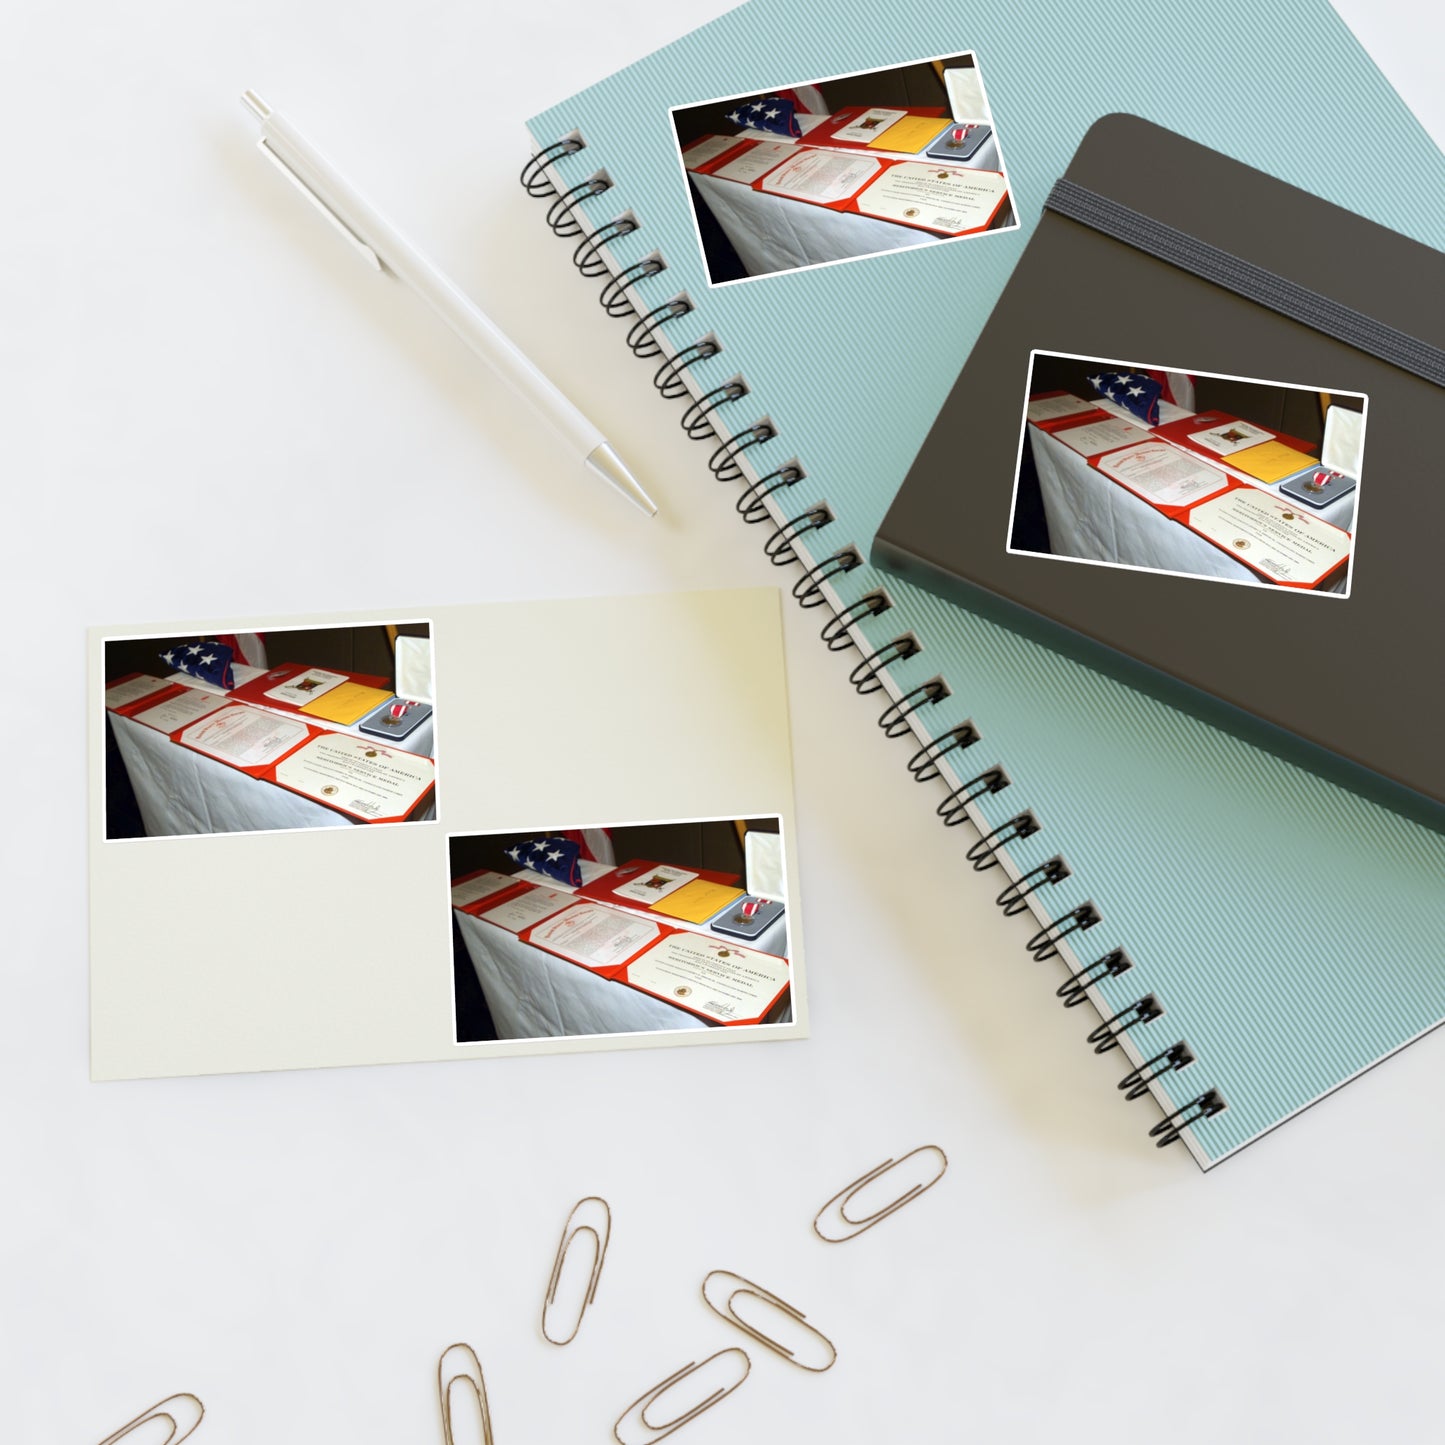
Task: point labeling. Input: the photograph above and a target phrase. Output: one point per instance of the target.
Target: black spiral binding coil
(668, 377)
(1135, 1084)
(808, 589)
(984, 853)
(723, 463)
(924, 763)
(587, 258)
(559, 213)
(1014, 899)
(1172, 1126)
(1075, 989)
(1045, 943)
(535, 180)
(1142, 1011)
(839, 631)
(641, 338)
(613, 297)
(835, 633)
(750, 505)
(954, 808)
(866, 676)
(696, 419)
(778, 549)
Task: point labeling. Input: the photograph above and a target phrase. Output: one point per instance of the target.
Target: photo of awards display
(753, 165)
(569, 932)
(1124, 464)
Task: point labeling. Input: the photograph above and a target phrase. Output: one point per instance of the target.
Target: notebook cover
(1314, 667)
(1199, 849)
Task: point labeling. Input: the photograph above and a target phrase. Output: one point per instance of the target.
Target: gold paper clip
(181, 1412)
(459, 1366)
(636, 1413)
(839, 1202)
(731, 1286)
(596, 1221)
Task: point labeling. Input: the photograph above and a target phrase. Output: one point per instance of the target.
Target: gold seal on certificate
(244, 736)
(1275, 539)
(358, 776)
(711, 977)
(937, 198)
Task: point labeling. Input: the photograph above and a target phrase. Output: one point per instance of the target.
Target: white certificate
(654, 883)
(306, 686)
(823, 176)
(1163, 474)
(757, 161)
(1230, 437)
(1265, 532)
(1098, 436)
(715, 979)
(175, 712)
(358, 776)
(938, 198)
(528, 908)
(244, 736)
(1046, 408)
(707, 149)
(868, 126)
(594, 936)
(469, 890)
(132, 690)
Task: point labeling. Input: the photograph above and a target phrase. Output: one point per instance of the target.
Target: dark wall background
(905, 85)
(1277, 407)
(713, 845)
(341, 649)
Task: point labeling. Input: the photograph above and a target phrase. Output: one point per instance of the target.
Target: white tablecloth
(532, 994)
(771, 233)
(180, 791)
(1095, 518)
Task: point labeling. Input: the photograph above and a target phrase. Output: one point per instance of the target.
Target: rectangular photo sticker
(839, 168)
(1156, 468)
(608, 931)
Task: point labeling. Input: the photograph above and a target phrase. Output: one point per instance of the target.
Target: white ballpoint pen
(384, 248)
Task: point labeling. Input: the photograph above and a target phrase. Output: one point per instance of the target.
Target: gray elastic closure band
(1254, 283)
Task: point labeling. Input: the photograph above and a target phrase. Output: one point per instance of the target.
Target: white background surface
(195, 375)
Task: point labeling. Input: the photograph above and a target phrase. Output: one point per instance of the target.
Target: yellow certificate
(1271, 461)
(937, 198)
(1279, 541)
(912, 134)
(697, 901)
(346, 704)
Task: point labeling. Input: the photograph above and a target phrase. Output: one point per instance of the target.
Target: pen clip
(360, 246)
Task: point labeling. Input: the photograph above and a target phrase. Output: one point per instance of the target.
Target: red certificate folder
(196, 736)
(550, 935)
(717, 1005)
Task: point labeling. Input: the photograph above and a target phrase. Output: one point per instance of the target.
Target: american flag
(209, 661)
(774, 113)
(1136, 391)
(553, 856)
(247, 647)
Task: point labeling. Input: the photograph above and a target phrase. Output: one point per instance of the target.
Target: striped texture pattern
(1290, 929)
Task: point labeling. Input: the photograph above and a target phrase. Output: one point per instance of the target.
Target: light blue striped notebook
(1277, 976)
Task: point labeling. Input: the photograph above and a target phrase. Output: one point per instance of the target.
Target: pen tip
(255, 104)
(611, 468)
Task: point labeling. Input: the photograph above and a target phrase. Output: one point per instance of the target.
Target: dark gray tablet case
(1298, 290)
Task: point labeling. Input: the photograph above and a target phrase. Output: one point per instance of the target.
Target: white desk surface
(297, 1249)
